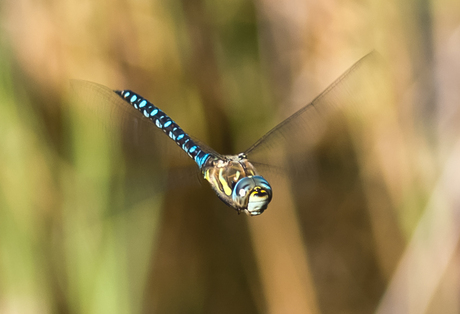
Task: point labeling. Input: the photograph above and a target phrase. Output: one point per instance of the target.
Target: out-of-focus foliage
(90, 225)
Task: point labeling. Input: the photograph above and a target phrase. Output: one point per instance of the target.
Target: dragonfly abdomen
(165, 123)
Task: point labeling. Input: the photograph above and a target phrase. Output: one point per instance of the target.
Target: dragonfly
(238, 180)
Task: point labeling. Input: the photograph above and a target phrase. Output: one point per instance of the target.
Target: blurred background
(92, 223)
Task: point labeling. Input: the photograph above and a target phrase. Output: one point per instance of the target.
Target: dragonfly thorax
(237, 183)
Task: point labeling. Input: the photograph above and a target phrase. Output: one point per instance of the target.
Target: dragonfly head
(252, 195)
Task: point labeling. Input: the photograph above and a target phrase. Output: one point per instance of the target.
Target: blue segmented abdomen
(165, 123)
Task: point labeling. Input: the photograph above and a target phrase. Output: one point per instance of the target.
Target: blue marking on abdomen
(183, 145)
(154, 112)
(201, 160)
(164, 122)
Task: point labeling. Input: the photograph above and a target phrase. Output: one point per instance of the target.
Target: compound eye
(252, 195)
(259, 199)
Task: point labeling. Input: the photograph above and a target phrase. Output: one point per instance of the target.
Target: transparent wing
(321, 162)
(297, 136)
(145, 148)
(102, 101)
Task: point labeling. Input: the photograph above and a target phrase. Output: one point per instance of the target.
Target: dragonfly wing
(295, 138)
(322, 165)
(125, 124)
(147, 152)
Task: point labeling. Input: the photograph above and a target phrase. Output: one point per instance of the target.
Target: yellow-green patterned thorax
(236, 182)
